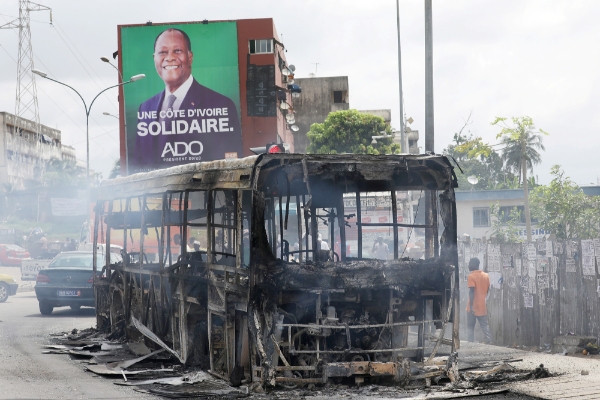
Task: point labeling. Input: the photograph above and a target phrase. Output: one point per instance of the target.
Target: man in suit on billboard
(186, 122)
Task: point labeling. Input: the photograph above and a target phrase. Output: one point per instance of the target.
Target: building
(473, 210)
(241, 62)
(24, 152)
(319, 97)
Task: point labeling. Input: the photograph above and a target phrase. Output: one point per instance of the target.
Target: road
(26, 373)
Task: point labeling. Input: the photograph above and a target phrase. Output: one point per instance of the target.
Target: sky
(506, 58)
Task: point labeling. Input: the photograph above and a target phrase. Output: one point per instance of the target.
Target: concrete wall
(315, 103)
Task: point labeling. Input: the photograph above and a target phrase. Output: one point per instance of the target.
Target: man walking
(479, 286)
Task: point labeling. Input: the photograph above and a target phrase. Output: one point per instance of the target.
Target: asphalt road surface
(26, 373)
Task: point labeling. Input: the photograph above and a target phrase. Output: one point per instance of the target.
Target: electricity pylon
(26, 103)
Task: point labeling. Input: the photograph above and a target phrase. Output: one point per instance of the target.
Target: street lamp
(383, 135)
(110, 115)
(106, 60)
(87, 111)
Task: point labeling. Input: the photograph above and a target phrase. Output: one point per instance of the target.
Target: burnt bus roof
(409, 171)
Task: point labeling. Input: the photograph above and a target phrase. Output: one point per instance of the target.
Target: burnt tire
(3, 292)
(45, 308)
(75, 307)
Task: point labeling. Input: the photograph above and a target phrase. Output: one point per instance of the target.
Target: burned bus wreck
(284, 269)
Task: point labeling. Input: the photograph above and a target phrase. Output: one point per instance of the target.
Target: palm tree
(116, 170)
(521, 152)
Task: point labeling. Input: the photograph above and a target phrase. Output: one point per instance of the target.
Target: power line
(97, 136)
(56, 25)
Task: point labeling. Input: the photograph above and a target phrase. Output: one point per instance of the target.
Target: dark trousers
(483, 323)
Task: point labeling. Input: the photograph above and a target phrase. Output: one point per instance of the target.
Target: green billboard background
(215, 64)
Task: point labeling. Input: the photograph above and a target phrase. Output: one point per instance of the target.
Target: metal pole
(402, 133)
(124, 120)
(87, 141)
(429, 126)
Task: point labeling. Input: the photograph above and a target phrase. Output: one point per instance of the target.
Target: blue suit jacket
(147, 154)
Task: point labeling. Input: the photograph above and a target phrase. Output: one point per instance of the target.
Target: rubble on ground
(152, 369)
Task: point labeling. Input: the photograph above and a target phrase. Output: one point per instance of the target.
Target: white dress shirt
(179, 94)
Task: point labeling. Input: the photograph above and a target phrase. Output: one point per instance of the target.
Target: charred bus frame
(257, 293)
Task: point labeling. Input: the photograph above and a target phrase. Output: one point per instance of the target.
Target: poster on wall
(587, 248)
(531, 252)
(187, 109)
(588, 265)
(528, 300)
(570, 267)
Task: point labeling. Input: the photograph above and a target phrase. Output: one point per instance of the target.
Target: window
(261, 46)
(505, 214)
(224, 227)
(481, 217)
(338, 96)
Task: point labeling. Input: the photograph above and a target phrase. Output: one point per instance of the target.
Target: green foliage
(563, 209)
(350, 131)
(63, 173)
(493, 169)
(478, 159)
(505, 229)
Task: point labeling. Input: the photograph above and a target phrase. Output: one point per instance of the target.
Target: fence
(538, 290)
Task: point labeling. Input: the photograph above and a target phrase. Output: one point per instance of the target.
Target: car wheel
(75, 306)
(45, 308)
(3, 292)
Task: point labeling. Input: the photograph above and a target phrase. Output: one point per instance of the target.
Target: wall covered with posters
(187, 109)
(538, 290)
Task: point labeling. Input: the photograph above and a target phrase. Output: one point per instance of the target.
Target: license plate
(72, 293)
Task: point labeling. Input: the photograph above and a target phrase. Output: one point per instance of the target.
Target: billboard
(187, 109)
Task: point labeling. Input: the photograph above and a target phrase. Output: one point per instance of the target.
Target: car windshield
(73, 260)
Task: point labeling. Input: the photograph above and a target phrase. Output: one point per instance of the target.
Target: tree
(63, 173)
(563, 209)
(476, 158)
(521, 144)
(116, 170)
(505, 225)
(350, 131)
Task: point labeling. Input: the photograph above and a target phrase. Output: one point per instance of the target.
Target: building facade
(475, 219)
(25, 150)
(319, 97)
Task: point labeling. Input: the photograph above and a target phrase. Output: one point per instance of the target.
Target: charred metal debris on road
(160, 373)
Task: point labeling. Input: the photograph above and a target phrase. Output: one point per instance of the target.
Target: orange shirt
(481, 282)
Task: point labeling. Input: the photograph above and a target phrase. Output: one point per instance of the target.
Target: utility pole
(26, 103)
(429, 126)
(402, 130)
(430, 196)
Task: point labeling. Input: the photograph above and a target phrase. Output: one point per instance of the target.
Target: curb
(24, 289)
